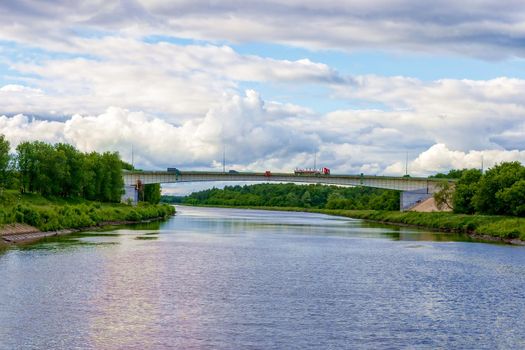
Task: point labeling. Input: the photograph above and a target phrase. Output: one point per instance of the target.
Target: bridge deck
(387, 182)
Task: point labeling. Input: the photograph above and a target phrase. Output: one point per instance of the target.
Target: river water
(246, 279)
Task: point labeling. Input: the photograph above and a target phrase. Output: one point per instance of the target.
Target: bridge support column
(131, 195)
(408, 199)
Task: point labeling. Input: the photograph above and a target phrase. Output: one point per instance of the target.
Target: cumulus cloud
(250, 132)
(175, 81)
(257, 135)
(440, 158)
(179, 104)
(487, 29)
(464, 114)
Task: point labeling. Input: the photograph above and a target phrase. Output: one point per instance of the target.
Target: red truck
(323, 171)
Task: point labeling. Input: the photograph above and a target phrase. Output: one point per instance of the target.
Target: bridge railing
(429, 185)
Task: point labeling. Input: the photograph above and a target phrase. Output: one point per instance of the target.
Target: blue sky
(362, 83)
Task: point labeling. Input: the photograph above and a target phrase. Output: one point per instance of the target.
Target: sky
(363, 85)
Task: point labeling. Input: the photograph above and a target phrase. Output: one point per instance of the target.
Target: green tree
(513, 198)
(452, 174)
(152, 193)
(25, 161)
(5, 161)
(465, 190)
(444, 196)
(495, 180)
(61, 170)
(306, 199)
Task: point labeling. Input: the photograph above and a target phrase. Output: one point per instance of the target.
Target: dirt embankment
(428, 206)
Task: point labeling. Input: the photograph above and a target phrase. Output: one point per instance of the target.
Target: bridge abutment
(130, 195)
(409, 199)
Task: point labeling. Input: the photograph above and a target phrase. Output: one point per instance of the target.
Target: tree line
(292, 195)
(498, 191)
(61, 170)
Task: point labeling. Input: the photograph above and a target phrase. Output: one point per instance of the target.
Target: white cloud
(464, 114)
(261, 135)
(487, 29)
(250, 131)
(173, 81)
(178, 104)
(439, 158)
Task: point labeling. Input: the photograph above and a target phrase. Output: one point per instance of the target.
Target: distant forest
(292, 195)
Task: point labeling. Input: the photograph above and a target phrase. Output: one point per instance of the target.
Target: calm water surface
(245, 279)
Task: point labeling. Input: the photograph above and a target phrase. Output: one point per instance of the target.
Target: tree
(4, 163)
(452, 174)
(62, 170)
(306, 199)
(444, 196)
(496, 180)
(465, 190)
(152, 193)
(26, 165)
(514, 198)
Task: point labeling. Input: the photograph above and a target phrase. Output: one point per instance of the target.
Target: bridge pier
(408, 199)
(130, 195)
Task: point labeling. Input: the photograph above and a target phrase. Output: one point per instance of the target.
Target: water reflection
(223, 279)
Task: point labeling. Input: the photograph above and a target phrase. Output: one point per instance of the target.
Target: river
(246, 279)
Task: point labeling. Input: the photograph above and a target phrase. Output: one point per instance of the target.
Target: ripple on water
(223, 279)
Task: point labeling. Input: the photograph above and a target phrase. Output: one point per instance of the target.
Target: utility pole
(482, 164)
(406, 165)
(224, 157)
(132, 156)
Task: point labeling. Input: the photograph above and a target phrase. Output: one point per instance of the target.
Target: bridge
(413, 189)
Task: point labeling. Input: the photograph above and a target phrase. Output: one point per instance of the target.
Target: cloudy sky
(360, 83)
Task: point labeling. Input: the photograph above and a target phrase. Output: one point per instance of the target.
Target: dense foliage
(61, 187)
(170, 199)
(499, 191)
(4, 163)
(61, 170)
(54, 214)
(503, 227)
(302, 196)
(151, 193)
(452, 174)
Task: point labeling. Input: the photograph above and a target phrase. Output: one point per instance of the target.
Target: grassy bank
(503, 228)
(50, 214)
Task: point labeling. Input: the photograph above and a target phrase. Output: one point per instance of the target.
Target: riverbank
(504, 229)
(21, 233)
(30, 217)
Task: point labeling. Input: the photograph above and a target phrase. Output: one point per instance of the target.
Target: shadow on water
(245, 221)
(71, 241)
(405, 233)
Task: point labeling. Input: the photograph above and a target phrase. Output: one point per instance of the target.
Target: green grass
(504, 227)
(49, 214)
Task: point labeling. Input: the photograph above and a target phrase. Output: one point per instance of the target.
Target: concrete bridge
(413, 189)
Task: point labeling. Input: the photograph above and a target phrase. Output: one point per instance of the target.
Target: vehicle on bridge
(174, 170)
(323, 171)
